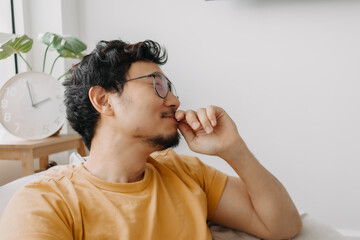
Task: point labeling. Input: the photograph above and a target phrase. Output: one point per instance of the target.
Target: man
(126, 109)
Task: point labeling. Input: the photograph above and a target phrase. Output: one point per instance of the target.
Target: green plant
(66, 46)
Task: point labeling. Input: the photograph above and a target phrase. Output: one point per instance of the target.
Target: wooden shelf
(27, 150)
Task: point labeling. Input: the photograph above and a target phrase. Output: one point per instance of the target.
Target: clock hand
(28, 87)
(48, 98)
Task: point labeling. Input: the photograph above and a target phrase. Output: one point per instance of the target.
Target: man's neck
(117, 160)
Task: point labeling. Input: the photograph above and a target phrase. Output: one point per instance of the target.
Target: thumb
(187, 132)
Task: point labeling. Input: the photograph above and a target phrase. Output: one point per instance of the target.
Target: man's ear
(100, 100)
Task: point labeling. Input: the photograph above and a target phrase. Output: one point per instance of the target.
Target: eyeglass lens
(162, 86)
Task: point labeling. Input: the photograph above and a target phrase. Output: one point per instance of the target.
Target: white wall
(286, 71)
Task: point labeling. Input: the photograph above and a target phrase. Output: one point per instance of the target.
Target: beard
(162, 142)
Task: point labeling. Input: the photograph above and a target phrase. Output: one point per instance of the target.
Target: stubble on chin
(161, 142)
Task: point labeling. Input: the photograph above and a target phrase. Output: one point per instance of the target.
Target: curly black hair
(106, 66)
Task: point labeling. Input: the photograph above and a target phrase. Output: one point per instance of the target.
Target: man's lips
(171, 117)
(168, 114)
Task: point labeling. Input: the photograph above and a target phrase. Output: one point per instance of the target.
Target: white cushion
(312, 230)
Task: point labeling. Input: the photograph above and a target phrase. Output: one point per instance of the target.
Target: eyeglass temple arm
(150, 75)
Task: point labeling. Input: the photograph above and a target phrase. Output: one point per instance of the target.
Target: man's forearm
(270, 199)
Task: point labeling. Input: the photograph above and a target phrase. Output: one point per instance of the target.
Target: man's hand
(209, 131)
(256, 202)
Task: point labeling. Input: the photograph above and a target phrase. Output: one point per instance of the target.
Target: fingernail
(213, 123)
(208, 129)
(195, 125)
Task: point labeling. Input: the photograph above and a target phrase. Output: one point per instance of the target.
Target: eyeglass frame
(171, 86)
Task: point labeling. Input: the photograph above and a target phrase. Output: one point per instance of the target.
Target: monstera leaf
(49, 39)
(69, 54)
(71, 47)
(18, 45)
(67, 47)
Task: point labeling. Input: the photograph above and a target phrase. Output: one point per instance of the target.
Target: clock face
(31, 105)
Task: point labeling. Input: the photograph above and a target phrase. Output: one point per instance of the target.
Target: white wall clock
(31, 105)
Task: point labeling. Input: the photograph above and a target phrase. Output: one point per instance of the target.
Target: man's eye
(159, 86)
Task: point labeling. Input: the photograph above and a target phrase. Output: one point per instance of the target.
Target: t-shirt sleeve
(36, 211)
(211, 180)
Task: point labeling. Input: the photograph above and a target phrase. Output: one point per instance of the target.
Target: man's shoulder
(165, 153)
(56, 174)
(174, 161)
(168, 156)
(35, 188)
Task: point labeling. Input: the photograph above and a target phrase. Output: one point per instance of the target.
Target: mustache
(168, 113)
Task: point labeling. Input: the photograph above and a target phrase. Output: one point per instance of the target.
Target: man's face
(141, 114)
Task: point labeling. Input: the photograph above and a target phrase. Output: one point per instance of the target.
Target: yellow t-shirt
(173, 201)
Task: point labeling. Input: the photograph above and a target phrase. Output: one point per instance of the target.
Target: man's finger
(205, 122)
(187, 132)
(179, 115)
(211, 114)
(192, 120)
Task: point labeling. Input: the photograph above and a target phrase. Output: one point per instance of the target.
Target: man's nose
(172, 101)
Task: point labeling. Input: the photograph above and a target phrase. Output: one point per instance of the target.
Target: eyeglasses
(162, 84)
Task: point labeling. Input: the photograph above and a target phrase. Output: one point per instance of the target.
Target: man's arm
(256, 202)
